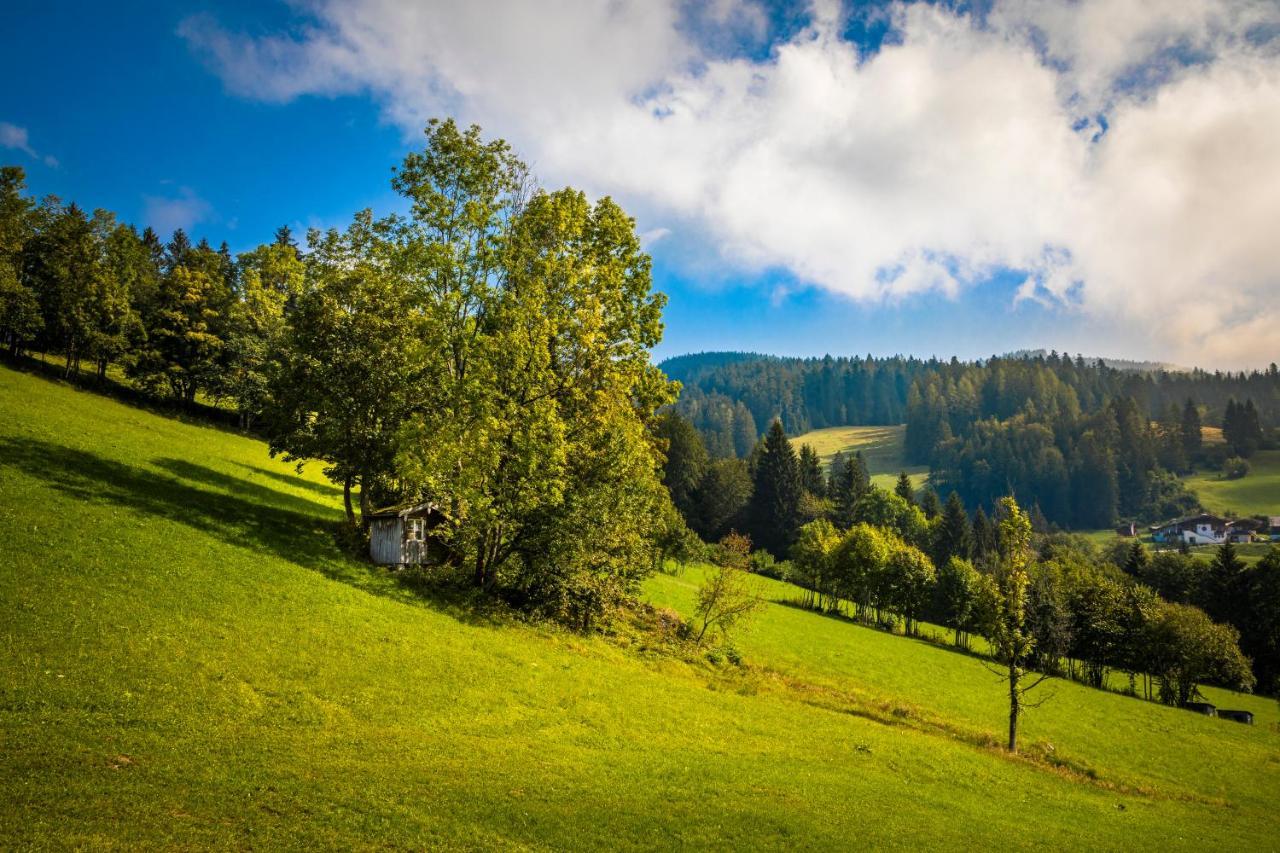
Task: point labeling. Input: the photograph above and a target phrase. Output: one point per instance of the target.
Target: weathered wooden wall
(386, 541)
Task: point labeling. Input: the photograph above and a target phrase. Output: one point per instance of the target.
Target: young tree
(727, 597)
(776, 497)
(1011, 641)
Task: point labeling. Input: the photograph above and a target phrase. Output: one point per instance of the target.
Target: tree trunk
(346, 501)
(1015, 705)
(365, 509)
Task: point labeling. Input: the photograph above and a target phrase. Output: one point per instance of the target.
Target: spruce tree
(929, 503)
(953, 537)
(984, 535)
(1191, 429)
(811, 479)
(776, 502)
(1136, 560)
(904, 489)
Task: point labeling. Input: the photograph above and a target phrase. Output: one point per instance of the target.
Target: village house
(398, 536)
(1202, 529)
(1245, 529)
(1273, 528)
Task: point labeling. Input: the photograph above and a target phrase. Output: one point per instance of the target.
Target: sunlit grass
(190, 661)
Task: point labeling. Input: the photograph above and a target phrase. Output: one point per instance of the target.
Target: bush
(1234, 468)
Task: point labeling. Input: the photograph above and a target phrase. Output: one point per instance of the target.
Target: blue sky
(809, 178)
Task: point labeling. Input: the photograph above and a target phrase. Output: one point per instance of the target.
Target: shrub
(1234, 468)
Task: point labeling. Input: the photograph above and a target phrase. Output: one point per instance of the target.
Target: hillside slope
(190, 661)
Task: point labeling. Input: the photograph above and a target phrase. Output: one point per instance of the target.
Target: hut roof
(409, 510)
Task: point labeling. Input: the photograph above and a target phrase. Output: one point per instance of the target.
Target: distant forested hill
(1089, 442)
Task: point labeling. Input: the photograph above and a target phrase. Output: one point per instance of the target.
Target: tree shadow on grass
(256, 493)
(934, 640)
(326, 489)
(253, 518)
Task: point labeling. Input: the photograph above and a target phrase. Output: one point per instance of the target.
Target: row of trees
(1053, 611)
(179, 319)
(487, 352)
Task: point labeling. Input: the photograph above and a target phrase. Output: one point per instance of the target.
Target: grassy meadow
(881, 447)
(1257, 493)
(191, 661)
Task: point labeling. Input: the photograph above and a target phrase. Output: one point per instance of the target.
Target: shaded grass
(190, 661)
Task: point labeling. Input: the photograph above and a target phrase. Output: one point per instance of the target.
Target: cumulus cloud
(167, 214)
(1122, 155)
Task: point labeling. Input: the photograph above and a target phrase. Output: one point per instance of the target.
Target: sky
(1097, 176)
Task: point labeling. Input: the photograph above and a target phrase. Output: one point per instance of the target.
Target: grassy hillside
(1258, 493)
(881, 447)
(190, 661)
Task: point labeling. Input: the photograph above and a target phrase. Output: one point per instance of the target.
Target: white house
(1203, 529)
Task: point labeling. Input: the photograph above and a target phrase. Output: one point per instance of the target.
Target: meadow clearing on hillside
(1257, 493)
(190, 660)
(881, 448)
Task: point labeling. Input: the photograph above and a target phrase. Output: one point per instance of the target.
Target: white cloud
(17, 138)
(961, 148)
(166, 214)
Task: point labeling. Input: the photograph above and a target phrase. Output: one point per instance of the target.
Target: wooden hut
(1245, 717)
(398, 536)
(1202, 708)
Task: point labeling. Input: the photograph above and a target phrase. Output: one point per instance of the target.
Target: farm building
(398, 536)
(1127, 529)
(1202, 708)
(1273, 528)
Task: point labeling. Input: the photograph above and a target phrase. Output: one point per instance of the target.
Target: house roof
(1193, 519)
(409, 510)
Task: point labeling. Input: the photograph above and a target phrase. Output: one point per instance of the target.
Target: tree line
(897, 557)
(813, 393)
(487, 352)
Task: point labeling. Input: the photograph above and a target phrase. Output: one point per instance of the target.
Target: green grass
(881, 448)
(1257, 493)
(189, 661)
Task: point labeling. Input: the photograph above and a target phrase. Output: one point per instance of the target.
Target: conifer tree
(811, 479)
(952, 537)
(776, 500)
(904, 489)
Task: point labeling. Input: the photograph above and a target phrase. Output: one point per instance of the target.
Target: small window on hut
(414, 529)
